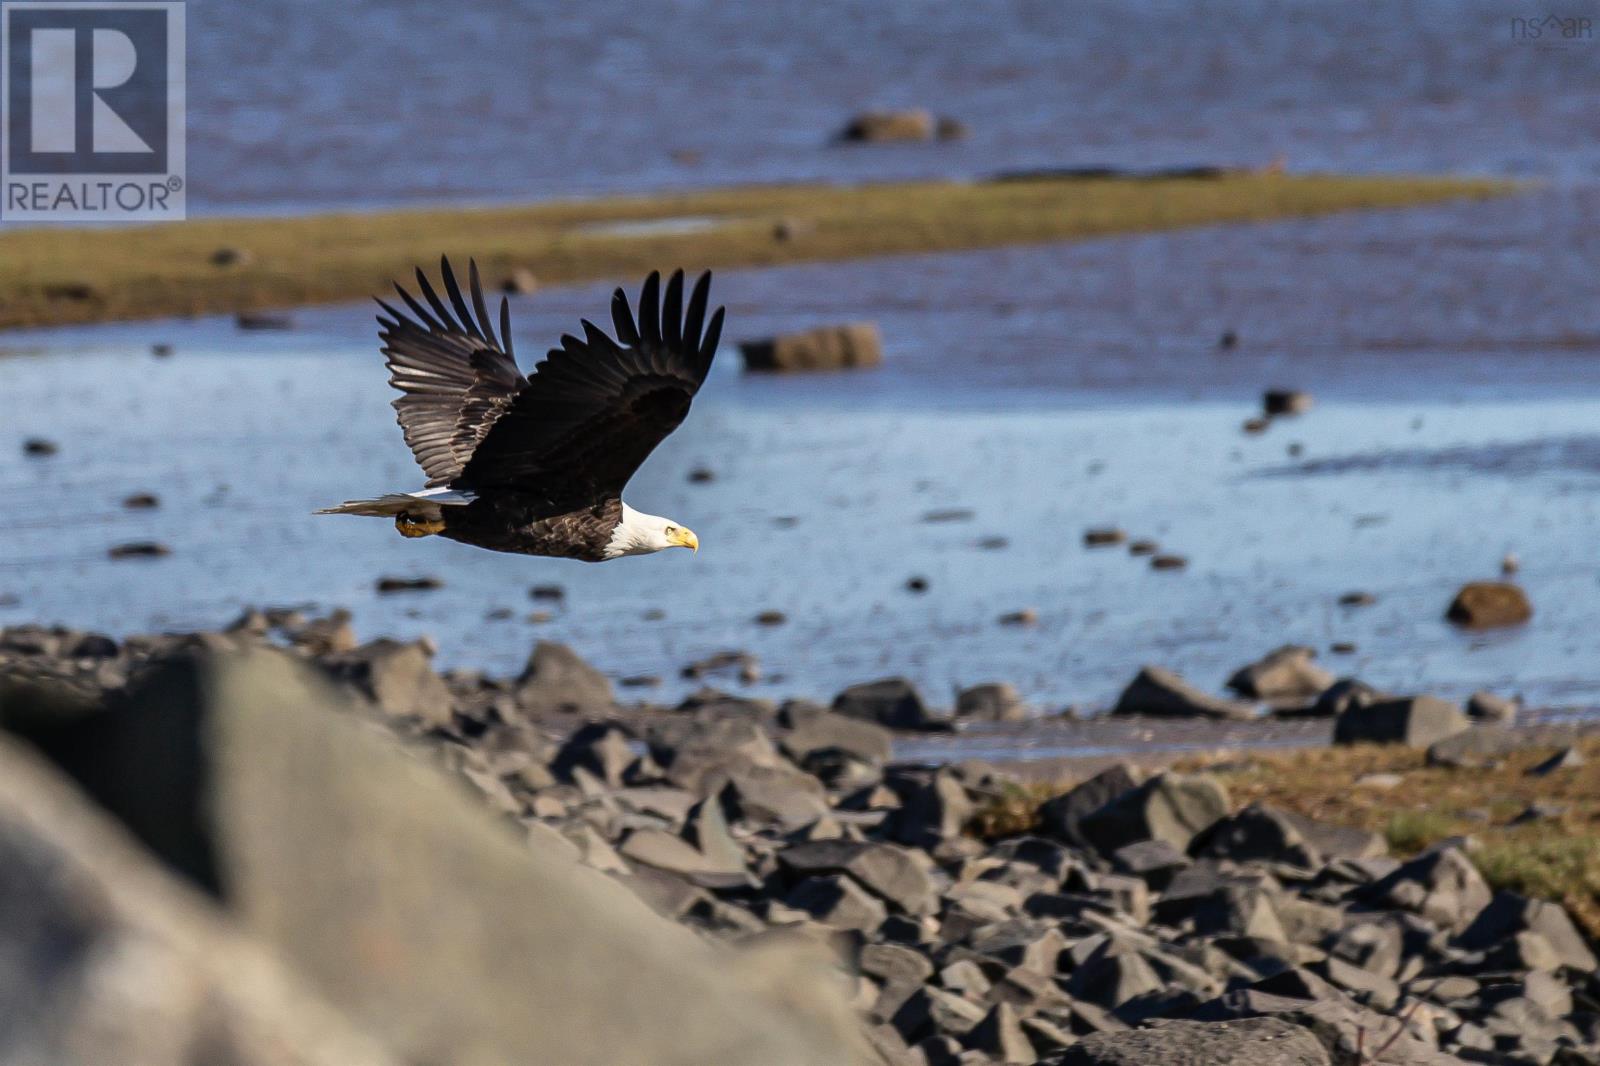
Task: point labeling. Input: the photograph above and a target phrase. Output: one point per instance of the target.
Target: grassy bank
(53, 276)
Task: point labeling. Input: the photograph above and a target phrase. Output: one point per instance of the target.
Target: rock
(825, 730)
(1341, 696)
(1259, 833)
(1372, 945)
(139, 549)
(227, 256)
(854, 345)
(1168, 562)
(141, 501)
(1001, 1038)
(991, 702)
(161, 350)
(1477, 747)
(702, 475)
(1357, 599)
(556, 679)
(520, 282)
(934, 1011)
(264, 320)
(1027, 616)
(941, 515)
(1228, 340)
(39, 447)
(936, 812)
(1489, 604)
(1255, 426)
(1062, 816)
(890, 872)
(109, 959)
(913, 124)
(1156, 692)
(1285, 674)
(1171, 807)
(1565, 759)
(1155, 862)
(1111, 980)
(598, 748)
(916, 584)
(837, 901)
(1491, 709)
(1277, 402)
(1143, 547)
(387, 585)
(1247, 1042)
(1510, 564)
(951, 129)
(398, 678)
(771, 618)
(1509, 914)
(551, 593)
(1416, 721)
(777, 795)
(1442, 885)
(1103, 536)
(892, 702)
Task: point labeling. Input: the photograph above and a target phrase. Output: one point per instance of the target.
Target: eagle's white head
(640, 534)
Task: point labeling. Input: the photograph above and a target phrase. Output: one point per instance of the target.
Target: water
(1045, 389)
(295, 104)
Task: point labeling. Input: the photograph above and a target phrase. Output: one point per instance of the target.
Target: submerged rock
(911, 124)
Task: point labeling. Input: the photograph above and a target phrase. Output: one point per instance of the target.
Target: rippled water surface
(1452, 351)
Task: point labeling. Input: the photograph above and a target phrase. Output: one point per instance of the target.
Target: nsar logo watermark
(92, 111)
(1552, 30)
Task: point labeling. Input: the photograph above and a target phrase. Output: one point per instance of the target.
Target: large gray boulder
(1249, 1042)
(893, 703)
(994, 701)
(1415, 721)
(107, 958)
(1062, 817)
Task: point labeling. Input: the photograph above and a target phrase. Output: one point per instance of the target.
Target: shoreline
(250, 264)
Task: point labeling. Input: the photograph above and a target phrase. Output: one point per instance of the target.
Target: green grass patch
(58, 275)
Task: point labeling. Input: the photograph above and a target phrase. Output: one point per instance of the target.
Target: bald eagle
(537, 464)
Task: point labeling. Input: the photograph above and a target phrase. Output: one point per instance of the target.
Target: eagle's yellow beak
(685, 538)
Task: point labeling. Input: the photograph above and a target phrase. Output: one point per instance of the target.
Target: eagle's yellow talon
(412, 526)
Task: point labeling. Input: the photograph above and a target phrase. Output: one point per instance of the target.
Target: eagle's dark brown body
(507, 523)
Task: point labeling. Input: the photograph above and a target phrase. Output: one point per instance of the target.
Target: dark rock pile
(1144, 920)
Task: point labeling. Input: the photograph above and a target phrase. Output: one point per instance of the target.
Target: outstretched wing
(596, 408)
(454, 376)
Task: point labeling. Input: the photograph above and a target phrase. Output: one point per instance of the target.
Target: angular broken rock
(556, 679)
(1160, 693)
(1509, 914)
(935, 812)
(893, 703)
(836, 900)
(1491, 709)
(826, 730)
(1170, 806)
(599, 748)
(1287, 673)
(1415, 721)
(1442, 885)
(1062, 816)
(397, 677)
(1259, 833)
(891, 872)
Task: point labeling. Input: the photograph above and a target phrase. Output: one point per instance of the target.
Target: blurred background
(926, 517)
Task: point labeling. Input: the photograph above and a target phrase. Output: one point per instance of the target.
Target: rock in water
(1276, 402)
(1284, 674)
(1416, 721)
(850, 346)
(992, 702)
(1488, 605)
(893, 703)
(912, 124)
(1491, 709)
(1162, 693)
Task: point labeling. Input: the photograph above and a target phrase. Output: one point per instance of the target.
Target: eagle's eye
(670, 530)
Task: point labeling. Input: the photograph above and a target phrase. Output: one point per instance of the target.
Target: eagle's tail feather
(425, 505)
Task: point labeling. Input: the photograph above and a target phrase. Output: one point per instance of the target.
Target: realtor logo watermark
(1552, 30)
(92, 111)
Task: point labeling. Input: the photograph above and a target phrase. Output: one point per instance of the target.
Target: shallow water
(361, 102)
(1044, 389)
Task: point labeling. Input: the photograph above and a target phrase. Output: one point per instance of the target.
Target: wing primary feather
(650, 309)
(417, 309)
(696, 319)
(594, 336)
(447, 324)
(468, 325)
(672, 312)
(505, 328)
(485, 323)
(622, 319)
(708, 347)
(394, 319)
